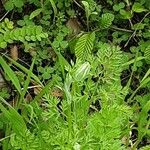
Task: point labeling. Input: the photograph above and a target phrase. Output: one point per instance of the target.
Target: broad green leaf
(84, 45)
(143, 114)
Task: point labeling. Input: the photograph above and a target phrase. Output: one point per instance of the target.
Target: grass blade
(12, 76)
(14, 118)
(24, 70)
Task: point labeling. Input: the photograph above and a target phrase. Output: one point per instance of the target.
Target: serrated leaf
(84, 45)
(42, 35)
(11, 34)
(10, 25)
(147, 53)
(106, 20)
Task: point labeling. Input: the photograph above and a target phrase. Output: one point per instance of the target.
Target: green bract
(82, 72)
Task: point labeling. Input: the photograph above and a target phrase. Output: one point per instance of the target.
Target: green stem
(6, 142)
(69, 122)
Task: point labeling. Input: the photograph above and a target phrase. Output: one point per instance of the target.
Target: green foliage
(145, 148)
(83, 90)
(25, 142)
(82, 71)
(138, 8)
(16, 120)
(11, 4)
(35, 13)
(25, 22)
(89, 10)
(111, 59)
(126, 14)
(26, 33)
(119, 6)
(12, 76)
(106, 20)
(4, 93)
(84, 45)
(106, 134)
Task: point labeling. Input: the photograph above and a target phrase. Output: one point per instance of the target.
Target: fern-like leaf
(29, 141)
(9, 34)
(84, 45)
(111, 58)
(106, 132)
